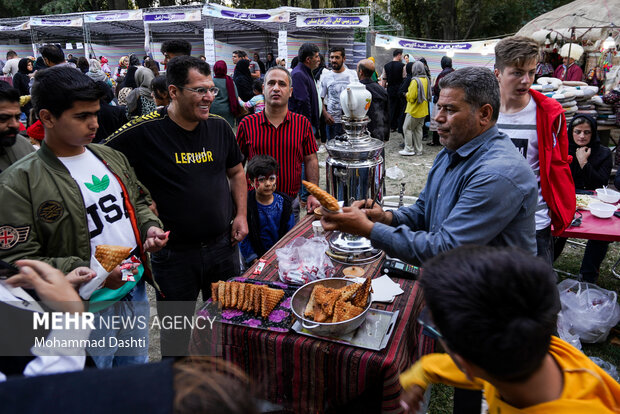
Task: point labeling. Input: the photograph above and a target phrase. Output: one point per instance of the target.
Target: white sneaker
(322, 149)
(406, 153)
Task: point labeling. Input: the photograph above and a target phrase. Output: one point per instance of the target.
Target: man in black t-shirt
(393, 77)
(187, 157)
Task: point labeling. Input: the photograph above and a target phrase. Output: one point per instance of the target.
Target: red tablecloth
(308, 375)
(595, 228)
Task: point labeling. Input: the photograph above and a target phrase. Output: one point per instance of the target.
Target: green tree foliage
(425, 19)
(467, 19)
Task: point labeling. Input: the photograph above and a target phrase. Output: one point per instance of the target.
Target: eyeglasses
(577, 220)
(429, 328)
(202, 91)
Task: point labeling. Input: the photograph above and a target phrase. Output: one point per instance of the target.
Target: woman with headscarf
(21, 81)
(96, 74)
(428, 118)
(225, 103)
(243, 79)
(140, 101)
(418, 96)
(591, 169)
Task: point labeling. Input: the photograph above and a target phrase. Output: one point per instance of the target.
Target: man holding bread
(480, 190)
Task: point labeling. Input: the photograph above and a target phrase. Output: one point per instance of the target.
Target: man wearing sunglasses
(190, 161)
(12, 146)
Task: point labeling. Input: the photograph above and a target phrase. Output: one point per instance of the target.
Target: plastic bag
(588, 311)
(304, 260)
(608, 367)
(395, 173)
(566, 332)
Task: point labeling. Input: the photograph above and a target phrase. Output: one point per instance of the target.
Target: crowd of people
(200, 173)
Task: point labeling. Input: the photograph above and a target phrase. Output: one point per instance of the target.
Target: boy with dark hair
(270, 212)
(69, 197)
(174, 48)
(537, 126)
(494, 311)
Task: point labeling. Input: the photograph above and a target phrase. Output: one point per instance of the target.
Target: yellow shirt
(415, 109)
(587, 388)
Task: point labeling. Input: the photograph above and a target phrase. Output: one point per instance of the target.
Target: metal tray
(373, 334)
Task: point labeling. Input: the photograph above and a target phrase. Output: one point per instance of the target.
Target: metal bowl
(300, 300)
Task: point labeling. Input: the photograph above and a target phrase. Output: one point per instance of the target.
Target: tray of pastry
(251, 303)
(373, 334)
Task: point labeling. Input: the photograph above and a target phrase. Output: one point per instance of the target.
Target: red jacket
(556, 181)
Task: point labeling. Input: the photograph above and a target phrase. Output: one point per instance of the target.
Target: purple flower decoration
(278, 316)
(278, 329)
(253, 322)
(287, 302)
(280, 284)
(231, 313)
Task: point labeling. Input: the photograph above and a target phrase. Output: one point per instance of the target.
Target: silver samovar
(354, 171)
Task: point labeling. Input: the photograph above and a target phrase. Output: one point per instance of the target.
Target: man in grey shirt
(480, 190)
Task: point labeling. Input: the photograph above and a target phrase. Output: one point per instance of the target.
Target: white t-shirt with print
(108, 220)
(521, 128)
(331, 85)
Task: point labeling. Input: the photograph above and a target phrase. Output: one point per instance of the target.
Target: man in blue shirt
(480, 189)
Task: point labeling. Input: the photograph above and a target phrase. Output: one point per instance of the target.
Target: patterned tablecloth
(308, 375)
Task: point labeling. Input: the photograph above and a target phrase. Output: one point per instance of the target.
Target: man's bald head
(365, 68)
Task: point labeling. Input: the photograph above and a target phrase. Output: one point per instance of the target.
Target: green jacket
(43, 216)
(8, 155)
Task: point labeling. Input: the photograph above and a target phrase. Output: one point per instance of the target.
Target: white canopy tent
(213, 30)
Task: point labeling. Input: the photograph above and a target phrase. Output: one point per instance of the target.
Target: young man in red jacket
(537, 126)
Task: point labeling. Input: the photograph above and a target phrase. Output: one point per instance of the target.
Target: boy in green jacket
(70, 196)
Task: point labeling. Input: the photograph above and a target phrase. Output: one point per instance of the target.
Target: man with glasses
(191, 163)
(12, 146)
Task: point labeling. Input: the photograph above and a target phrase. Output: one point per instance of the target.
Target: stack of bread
(328, 305)
(246, 297)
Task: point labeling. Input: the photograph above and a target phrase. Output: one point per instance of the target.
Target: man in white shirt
(333, 82)
(10, 67)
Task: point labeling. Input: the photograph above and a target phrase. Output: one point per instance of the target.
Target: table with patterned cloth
(308, 375)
